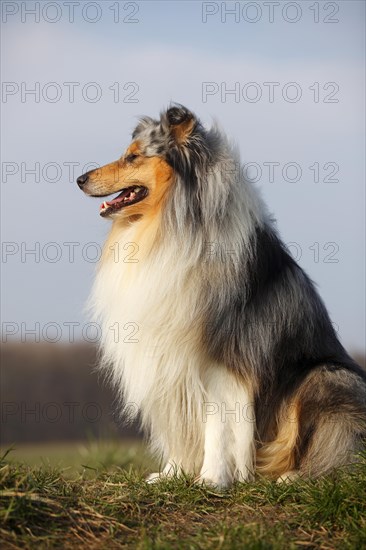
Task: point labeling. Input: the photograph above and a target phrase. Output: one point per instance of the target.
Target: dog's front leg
(217, 468)
(229, 431)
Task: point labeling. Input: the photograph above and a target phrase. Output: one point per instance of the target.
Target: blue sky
(168, 54)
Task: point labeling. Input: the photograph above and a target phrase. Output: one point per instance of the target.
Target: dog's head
(145, 173)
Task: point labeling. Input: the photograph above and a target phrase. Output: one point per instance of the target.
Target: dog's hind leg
(333, 419)
(320, 428)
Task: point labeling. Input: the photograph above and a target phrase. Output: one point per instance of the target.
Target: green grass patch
(104, 502)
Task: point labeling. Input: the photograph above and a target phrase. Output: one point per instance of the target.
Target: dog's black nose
(82, 179)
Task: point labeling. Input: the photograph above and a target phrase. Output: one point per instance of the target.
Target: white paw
(154, 478)
(218, 483)
(287, 477)
(170, 470)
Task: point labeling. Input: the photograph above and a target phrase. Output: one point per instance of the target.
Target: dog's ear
(181, 123)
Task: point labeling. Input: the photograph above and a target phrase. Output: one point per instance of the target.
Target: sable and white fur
(215, 338)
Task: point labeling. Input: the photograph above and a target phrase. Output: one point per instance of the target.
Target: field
(95, 497)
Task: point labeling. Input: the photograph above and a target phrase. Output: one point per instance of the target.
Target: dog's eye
(131, 157)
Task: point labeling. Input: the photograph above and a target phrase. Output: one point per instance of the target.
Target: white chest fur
(152, 344)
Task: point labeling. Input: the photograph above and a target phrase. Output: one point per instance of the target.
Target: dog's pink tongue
(105, 204)
(115, 201)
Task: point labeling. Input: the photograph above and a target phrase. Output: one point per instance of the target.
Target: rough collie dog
(215, 338)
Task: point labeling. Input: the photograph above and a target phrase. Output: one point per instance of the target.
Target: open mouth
(128, 196)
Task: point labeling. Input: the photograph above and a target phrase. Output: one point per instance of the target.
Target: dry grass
(105, 506)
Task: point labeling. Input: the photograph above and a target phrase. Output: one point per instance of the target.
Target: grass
(104, 502)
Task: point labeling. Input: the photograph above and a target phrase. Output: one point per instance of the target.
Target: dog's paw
(288, 477)
(155, 478)
(219, 484)
(171, 470)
